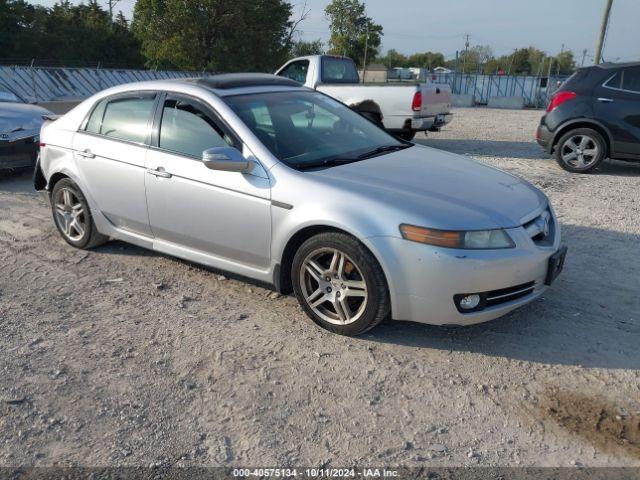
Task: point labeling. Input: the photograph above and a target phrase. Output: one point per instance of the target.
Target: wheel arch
(369, 109)
(584, 123)
(282, 277)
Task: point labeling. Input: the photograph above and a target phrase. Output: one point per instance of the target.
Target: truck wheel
(408, 135)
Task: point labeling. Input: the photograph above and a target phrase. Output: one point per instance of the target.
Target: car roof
(611, 65)
(229, 81)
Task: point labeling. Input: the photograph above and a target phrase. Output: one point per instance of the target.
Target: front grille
(504, 295)
(542, 229)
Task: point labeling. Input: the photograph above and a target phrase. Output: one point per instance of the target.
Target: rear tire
(408, 135)
(581, 150)
(72, 216)
(340, 284)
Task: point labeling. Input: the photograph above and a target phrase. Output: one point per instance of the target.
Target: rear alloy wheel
(339, 284)
(72, 216)
(581, 150)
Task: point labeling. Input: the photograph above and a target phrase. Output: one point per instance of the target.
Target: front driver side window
(187, 128)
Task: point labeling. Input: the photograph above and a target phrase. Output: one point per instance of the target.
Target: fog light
(470, 302)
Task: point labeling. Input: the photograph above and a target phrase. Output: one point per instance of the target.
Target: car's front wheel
(340, 284)
(72, 216)
(581, 150)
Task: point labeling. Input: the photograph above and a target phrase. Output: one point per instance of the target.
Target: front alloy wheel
(340, 284)
(333, 286)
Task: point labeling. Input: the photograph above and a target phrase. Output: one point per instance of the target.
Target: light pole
(603, 31)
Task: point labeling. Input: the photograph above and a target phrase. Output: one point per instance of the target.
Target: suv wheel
(340, 284)
(581, 150)
(72, 216)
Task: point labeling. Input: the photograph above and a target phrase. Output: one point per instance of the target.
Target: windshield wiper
(330, 162)
(383, 149)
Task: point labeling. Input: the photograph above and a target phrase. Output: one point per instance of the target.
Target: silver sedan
(258, 176)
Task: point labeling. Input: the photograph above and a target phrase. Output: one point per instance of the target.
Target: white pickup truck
(402, 108)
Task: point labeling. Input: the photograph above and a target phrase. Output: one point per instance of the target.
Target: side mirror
(227, 159)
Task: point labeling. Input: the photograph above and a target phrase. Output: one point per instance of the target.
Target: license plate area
(556, 264)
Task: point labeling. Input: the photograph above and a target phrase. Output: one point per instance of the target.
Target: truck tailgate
(436, 99)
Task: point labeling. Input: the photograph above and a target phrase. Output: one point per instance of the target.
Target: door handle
(87, 154)
(605, 100)
(160, 172)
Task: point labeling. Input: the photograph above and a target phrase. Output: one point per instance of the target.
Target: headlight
(474, 239)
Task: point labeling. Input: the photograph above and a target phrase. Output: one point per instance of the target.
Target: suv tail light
(416, 105)
(559, 98)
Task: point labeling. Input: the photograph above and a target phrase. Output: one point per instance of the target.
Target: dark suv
(594, 115)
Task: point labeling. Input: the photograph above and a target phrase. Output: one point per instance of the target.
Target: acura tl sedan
(256, 175)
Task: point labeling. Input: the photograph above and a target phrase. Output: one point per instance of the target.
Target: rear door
(222, 214)
(110, 152)
(617, 104)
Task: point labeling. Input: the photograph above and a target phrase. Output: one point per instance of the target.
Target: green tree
(65, 34)
(219, 35)
(303, 49)
(351, 30)
(428, 60)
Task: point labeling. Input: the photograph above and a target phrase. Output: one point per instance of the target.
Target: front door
(226, 215)
(617, 104)
(110, 153)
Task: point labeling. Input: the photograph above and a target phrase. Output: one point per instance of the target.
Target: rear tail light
(559, 98)
(416, 105)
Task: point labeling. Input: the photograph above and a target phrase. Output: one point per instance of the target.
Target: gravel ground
(121, 356)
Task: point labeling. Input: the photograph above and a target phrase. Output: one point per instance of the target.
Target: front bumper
(423, 280)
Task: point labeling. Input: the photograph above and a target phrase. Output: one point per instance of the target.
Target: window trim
(604, 85)
(118, 96)
(154, 143)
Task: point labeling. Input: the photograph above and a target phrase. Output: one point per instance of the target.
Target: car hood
(440, 189)
(16, 118)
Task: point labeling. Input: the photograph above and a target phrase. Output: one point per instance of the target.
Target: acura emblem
(543, 223)
(4, 136)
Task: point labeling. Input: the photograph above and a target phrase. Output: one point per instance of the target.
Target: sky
(440, 25)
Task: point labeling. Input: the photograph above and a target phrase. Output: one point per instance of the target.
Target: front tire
(340, 284)
(581, 150)
(72, 216)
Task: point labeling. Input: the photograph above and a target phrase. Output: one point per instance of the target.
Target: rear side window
(339, 70)
(627, 79)
(124, 118)
(296, 71)
(631, 79)
(187, 128)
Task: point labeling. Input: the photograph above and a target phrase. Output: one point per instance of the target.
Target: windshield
(8, 97)
(308, 129)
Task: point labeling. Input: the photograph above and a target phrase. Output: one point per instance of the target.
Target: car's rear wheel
(407, 135)
(340, 284)
(581, 150)
(72, 216)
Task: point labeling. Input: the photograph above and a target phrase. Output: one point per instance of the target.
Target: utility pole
(603, 31)
(366, 48)
(511, 61)
(559, 56)
(584, 56)
(466, 52)
(112, 4)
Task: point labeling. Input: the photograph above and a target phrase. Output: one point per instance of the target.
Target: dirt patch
(609, 428)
